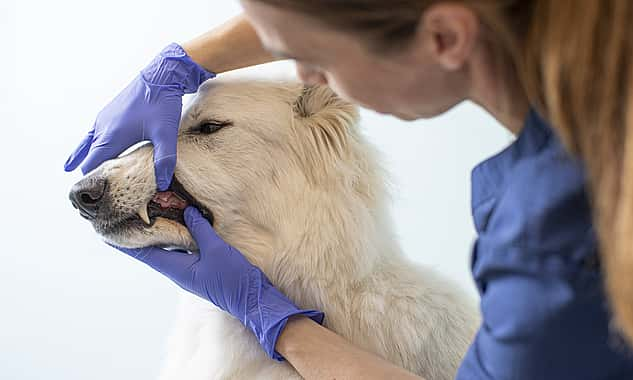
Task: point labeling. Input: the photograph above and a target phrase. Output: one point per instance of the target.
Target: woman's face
(420, 81)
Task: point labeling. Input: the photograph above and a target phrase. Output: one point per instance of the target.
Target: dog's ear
(328, 120)
(318, 99)
(329, 144)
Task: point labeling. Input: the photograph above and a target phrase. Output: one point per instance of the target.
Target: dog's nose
(86, 195)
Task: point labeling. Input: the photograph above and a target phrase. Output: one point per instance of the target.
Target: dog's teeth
(142, 212)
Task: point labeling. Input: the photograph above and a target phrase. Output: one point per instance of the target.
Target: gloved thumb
(173, 264)
(202, 232)
(165, 158)
(80, 153)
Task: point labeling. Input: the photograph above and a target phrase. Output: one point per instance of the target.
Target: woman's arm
(318, 353)
(231, 46)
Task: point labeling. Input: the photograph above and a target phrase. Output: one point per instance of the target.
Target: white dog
(293, 185)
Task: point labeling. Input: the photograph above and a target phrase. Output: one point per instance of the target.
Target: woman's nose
(310, 76)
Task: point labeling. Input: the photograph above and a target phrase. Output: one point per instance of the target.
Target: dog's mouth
(171, 204)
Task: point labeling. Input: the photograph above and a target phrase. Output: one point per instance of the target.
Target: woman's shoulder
(542, 211)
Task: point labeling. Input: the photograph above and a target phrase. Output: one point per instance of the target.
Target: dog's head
(255, 157)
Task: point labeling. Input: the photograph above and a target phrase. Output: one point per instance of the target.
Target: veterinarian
(558, 74)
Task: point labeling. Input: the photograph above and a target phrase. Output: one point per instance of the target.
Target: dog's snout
(86, 195)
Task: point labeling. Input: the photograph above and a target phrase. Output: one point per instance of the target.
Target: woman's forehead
(287, 34)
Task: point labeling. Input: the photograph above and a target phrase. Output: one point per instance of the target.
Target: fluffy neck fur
(337, 233)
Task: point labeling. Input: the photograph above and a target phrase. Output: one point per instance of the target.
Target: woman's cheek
(343, 90)
(357, 95)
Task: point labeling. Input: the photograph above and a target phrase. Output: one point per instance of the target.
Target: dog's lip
(177, 214)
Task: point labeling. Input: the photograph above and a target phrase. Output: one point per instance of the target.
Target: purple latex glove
(220, 273)
(148, 108)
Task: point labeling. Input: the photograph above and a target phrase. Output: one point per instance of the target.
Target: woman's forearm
(230, 46)
(318, 353)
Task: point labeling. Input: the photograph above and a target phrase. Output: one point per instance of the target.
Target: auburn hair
(574, 60)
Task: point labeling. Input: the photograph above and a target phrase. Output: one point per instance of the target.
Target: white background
(73, 308)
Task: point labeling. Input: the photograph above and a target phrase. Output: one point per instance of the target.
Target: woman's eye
(212, 126)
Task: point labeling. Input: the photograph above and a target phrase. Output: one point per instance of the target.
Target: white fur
(296, 188)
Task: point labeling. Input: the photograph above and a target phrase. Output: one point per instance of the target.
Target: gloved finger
(165, 157)
(172, 264)
(80, 152)
(201, 231)
(100, 152)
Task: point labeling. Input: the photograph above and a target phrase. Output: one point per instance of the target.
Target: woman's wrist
(268, 311)
(317, 353)
(174, 67)
(295, 327)
(230, 46)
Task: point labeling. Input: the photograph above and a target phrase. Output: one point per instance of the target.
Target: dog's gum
(169, 199)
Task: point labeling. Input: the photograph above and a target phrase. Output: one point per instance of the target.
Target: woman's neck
(498, 91)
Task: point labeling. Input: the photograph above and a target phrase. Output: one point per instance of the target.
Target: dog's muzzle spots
(93, 200)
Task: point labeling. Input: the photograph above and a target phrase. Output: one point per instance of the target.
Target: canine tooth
(142, 212)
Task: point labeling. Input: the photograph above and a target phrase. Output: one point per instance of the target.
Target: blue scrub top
(535, 263)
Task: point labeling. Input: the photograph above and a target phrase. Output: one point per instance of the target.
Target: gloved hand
(148, 108)
(221, 274)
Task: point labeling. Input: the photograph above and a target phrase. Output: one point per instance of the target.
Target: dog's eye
(209, 127)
